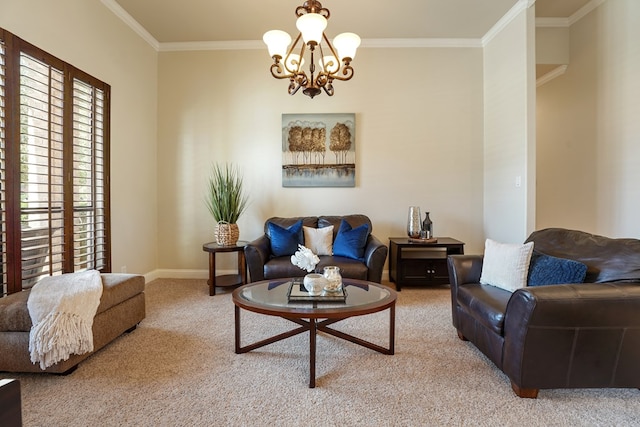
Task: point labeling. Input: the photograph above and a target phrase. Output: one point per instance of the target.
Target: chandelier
(332, 65)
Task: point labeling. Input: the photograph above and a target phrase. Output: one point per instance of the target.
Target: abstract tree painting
(318, 150)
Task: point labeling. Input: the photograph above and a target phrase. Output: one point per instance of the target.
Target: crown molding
(413, 43)
(132, 23)
(552, 22)
(366, 43)
(567, 22)
(556, 72)
(219, 45)
(506, 19)
(584, 10)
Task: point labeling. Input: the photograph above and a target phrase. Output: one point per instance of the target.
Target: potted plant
(226, 202)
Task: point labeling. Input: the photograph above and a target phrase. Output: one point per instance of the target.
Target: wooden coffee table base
(314, 326)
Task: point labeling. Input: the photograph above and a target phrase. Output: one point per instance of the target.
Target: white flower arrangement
(305, 259)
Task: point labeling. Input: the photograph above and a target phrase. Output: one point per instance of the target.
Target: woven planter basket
(227, 234)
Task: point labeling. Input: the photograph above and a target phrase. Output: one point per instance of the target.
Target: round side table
(225, 280)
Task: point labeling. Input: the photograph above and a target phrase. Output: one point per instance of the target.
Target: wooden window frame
(11, 254)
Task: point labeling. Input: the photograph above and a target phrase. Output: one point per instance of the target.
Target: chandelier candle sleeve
(325, 63)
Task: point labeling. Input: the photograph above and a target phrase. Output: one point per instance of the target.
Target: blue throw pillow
(548, 270)
(350, 242)
(284, 241)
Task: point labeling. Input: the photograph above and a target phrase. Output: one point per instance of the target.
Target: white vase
(314, 283)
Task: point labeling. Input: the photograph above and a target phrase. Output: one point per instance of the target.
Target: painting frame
(319, 150)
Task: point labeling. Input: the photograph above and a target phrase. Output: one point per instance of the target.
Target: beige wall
(509, 133)
(89, 36)
(552, 45)
(418, 142)
(588, 128)
(452, 137)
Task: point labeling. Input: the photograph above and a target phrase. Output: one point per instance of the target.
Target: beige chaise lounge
(122, 307)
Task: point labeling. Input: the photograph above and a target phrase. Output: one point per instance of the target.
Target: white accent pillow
(319, 240)
(506, 265)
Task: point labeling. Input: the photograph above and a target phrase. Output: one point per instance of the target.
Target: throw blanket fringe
(62, 309)
(59, 336)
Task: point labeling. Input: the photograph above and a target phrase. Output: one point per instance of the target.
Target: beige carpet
(179, 369)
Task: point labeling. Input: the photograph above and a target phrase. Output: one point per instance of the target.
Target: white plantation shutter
(54, 167)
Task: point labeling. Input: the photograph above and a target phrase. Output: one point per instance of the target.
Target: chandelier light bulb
(277, 42)
(346, 43)
(311, 25)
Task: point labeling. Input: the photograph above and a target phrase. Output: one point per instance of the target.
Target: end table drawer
(424, 253)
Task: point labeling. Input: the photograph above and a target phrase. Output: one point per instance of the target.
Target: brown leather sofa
(262, 265)
(584, 335)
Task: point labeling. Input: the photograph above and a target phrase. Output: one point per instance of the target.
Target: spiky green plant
(225, 199)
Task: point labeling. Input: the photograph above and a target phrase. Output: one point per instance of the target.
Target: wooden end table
(225, 280)
(423, 264)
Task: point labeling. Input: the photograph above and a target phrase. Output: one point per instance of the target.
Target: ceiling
(171, 21)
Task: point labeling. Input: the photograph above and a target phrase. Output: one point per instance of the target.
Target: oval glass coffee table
(271, 297)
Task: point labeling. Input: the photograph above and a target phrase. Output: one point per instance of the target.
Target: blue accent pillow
(350, 242)
(285, 241)
(548, 270)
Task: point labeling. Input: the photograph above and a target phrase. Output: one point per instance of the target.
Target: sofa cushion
(487, 304)
(319, 240)
(14, 315)
(350, 242)
(285, 222)
(607, 259)
(285, 241)
(117, 287)
(354, 220)
(277, 268)
(349, 267)
(281, 267)
(549, 270)
(506, 265)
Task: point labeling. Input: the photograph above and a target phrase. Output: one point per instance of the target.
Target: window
(54, 167)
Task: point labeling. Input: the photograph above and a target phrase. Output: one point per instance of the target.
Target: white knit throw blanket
(62, 309)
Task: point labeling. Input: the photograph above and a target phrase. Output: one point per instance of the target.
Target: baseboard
(179, 274)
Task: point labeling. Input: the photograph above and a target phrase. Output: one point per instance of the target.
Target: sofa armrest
(573, 336)
(463, 269)
(256, 254)
(375, 255)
